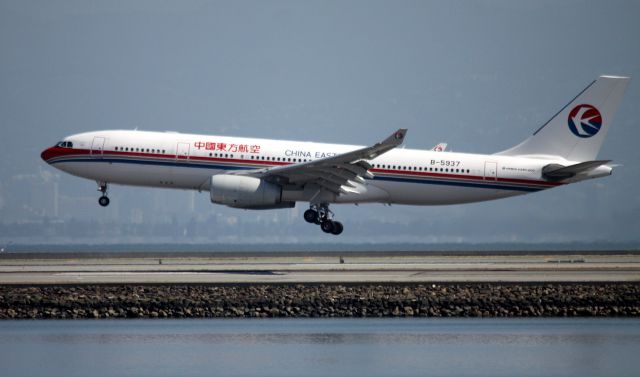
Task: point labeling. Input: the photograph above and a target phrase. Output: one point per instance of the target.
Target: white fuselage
(269, 174)
(402, 176)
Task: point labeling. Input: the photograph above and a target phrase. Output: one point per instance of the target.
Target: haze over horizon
(479, 75)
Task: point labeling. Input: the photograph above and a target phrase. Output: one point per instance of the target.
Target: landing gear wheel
(311, 216)
(337, 228)
(327, 226)
(321, 215)
(104, 201)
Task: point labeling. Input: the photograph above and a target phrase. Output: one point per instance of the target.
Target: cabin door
(97, 147)
(183, 151)
(490, 171)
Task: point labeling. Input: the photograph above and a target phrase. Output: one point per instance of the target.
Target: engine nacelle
(246, 192)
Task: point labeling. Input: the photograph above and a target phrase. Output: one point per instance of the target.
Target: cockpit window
(65, 144)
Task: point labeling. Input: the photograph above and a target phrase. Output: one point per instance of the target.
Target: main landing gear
(104, 199)
(321, 215)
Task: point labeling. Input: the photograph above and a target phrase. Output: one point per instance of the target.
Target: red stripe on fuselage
(466, 177)
(56, 152)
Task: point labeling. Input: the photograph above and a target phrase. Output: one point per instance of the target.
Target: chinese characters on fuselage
(227, 147)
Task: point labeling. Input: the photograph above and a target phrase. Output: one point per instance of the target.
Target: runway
(307, 268)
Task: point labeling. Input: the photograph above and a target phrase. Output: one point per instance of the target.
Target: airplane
(440, 147)
(250, 173)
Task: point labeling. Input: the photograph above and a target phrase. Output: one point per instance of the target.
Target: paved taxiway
(307, 268)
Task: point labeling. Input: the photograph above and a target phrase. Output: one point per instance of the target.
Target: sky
(479, 75)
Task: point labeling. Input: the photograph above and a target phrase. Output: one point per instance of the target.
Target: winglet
(387, 144)
(396, 138)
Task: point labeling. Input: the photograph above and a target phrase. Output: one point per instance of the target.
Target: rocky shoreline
(389, 300)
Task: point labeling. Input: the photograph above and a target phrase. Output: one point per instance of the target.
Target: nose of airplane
(47, 154)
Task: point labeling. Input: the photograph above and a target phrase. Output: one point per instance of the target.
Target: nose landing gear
(104, 199)
(321, 215)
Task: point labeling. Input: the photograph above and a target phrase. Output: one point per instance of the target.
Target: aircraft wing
(336, 174)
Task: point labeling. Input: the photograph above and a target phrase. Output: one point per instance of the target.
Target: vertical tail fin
(577, 131)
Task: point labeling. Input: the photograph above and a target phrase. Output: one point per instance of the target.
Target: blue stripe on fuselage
(496, 186)
(378, 176)
(173, 162)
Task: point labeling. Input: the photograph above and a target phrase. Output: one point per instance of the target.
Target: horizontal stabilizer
(556, 172)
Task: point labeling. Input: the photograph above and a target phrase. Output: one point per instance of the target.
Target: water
(322, 347)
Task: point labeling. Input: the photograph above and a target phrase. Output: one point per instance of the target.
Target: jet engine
(246, 192)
